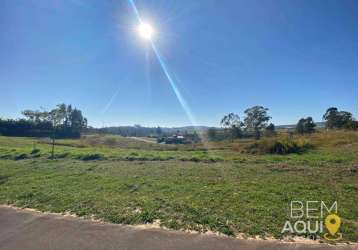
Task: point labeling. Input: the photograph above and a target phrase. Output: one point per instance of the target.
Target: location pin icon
(332, 223)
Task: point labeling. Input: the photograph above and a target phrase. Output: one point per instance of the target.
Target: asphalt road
(23, 229)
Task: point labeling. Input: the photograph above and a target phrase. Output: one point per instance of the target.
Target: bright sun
(145, 30)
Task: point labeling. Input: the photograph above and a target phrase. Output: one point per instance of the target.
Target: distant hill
(188, 129)
(139, 131)
(293, 126)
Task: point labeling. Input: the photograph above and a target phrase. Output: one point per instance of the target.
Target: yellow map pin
(332, 222)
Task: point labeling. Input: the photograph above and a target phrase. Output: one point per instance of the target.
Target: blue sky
(295, 57)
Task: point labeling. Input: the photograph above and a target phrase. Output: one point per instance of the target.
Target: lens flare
(145, 29)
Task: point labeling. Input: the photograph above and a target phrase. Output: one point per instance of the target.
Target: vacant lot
(217, 187)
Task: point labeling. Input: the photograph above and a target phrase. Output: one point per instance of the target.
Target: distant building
(175, 139)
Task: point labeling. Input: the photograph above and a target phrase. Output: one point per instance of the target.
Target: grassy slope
(222, 190)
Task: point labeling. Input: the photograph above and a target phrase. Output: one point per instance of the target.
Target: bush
(90, 157)
(278, 146)
(35, 151)
(110, 141)
(61, 155)
(20, 157)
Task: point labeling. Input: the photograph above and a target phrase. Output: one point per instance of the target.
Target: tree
(337, 119)
(76, 119)
(346, 118)
(236, 132)
(35, 115)
(270, 130)
(305, 125)
(69, 123)
(256, 119)
(232, 122)
(229, 120)
(57, 117)
(352, 125)
(66, 122)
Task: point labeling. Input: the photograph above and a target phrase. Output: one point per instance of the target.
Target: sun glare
(145, 30)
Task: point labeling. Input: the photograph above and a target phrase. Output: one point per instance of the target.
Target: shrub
(6, 156)
(90, 157)
(278, 146)
(305, 125)
(20, 156)
(110, 141)
(35, 151)
(61, 155)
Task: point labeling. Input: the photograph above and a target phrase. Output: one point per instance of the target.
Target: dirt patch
(353, 169)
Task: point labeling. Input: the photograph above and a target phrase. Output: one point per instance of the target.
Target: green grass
(185, 187)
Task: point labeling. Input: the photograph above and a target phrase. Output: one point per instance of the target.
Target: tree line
(257, 123)
(63, 121)
(334, 119)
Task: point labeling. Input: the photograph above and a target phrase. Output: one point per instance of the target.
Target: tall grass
(279, 146)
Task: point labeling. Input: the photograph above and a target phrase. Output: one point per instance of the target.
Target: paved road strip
(23, 229)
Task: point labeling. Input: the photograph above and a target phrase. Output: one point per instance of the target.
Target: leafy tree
(337, 119)
(57, 117)
(67, 122)
(232, 122)
(352, 125)
(61, 122)
(35, 115)
(256, 119)
(270, 130)
(77, 121)
(305, 125)
(236, 132)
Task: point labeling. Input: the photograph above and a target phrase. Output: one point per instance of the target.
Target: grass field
(218, 187)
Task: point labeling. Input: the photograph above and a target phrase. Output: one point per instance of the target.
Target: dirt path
(23, 229)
